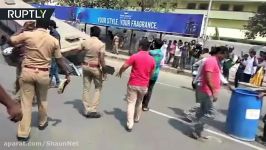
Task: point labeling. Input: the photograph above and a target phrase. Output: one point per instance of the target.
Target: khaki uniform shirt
(40, 47)
(93, 47)
(116, 39)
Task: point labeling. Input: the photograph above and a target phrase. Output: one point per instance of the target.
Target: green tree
(257, 25)
(110, 4)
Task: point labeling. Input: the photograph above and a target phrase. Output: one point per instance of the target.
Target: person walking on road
(197, 81)
(92, 64)
(34, 78)
(18, 54)
(54, 32)
(54, 72)
(157, 54)
(142, 70)
(209, 89)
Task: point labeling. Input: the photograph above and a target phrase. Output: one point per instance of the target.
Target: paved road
(157, 130)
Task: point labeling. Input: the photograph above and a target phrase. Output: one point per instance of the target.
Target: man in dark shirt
(54, 32)
(54, 67)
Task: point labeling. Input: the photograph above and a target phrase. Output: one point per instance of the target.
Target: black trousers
(226, 73)
(246, 78)
(147, 97)
(238, 77)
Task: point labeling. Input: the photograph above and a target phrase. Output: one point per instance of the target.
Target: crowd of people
(41, 45)
(179, 54)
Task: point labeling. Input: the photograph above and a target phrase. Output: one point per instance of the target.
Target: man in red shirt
(142, 70)
(210, 87)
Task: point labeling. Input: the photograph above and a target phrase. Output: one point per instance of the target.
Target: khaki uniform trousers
(91, 74)
(33, 82)
(135, 96)
(17, 86)
(115, 47)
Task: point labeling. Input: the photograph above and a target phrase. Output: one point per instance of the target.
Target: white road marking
(210, 131)
(168, 85)
(207, 130)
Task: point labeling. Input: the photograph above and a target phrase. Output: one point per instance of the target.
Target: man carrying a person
(210, 87)
(40, 47)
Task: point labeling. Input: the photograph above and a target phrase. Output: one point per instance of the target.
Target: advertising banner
(185, 24)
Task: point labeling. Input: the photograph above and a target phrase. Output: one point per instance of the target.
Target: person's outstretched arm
(122, 69)
(126, 65)
(13, 108)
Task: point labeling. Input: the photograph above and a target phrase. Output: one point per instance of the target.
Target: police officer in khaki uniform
(40, 47)
(116, 44)
(28, 26)
(93, 62)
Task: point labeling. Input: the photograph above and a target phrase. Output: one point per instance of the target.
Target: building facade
(227, 17)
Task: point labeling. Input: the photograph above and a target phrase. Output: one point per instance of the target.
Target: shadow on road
(180, 126)
(77, 104)
(119, 114)
(187, 88)
(213, 123)
(35, 120)
(55, 121)
(223, 111)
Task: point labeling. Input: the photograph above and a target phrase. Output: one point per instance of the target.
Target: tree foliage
(257, 24)
(112, 4)
(150, 5)
(153, 5)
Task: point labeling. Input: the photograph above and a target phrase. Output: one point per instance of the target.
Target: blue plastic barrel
(243, 114)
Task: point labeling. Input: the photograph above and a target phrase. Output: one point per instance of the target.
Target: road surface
(159, 129)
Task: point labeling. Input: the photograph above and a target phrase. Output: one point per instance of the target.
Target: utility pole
(142, 5)
(206, 23)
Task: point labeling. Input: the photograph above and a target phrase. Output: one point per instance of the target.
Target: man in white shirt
(177, 55)
(250, 66)
(164, 51)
